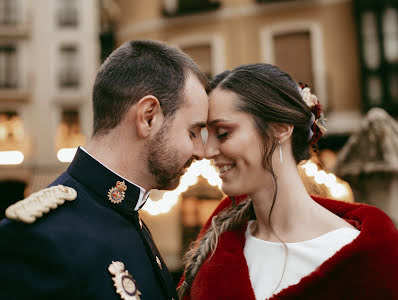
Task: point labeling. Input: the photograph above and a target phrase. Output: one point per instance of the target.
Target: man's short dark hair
(136, 69)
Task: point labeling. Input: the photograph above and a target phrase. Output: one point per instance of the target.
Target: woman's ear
(149, 116)
(283, 131)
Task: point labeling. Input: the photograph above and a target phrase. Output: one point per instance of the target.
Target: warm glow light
(199, 168)
(11, 157)
(320, 177)
(337, 190)
(205, 169)
(66, 154)
(310, 168)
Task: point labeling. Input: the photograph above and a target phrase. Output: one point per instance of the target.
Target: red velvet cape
(367, 268)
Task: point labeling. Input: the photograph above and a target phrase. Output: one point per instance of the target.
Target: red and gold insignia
(116, 194)
(124, 283)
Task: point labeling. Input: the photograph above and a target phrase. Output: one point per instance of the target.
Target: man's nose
(199, 151)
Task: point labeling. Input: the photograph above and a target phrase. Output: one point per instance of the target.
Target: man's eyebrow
(199, 124)
(214, 122)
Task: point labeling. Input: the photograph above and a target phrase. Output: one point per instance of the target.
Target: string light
(337, 190)
(170, 198)
(11, 157)
(66, 154)
(209, 172)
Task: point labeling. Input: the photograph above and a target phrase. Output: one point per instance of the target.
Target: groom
(82, 238)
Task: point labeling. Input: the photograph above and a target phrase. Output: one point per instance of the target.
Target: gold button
(159, 262)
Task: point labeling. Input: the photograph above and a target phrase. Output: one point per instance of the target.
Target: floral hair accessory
(317, 122)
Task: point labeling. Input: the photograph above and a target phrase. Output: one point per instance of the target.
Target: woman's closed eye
(222, 134)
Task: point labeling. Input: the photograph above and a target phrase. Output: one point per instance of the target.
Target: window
(69, 133)
(8, 66)
(11, 131)
(371, 49)
(390, 32)
(67, 13)
(8, 12)
(69, 71)
(201, 54)
(377, 25)
(393, 86)
(375, 90)
(293, 56)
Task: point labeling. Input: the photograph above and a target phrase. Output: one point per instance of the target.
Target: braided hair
(226, 220)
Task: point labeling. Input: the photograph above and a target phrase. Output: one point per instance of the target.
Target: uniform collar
(107, 184)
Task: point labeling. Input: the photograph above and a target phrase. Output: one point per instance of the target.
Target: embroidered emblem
(124, 283)
(116, 194)
(39, 203)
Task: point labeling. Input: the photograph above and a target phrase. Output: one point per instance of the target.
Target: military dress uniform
(84, 241)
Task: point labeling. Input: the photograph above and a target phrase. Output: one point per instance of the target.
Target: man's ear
(282, 131)
(149, 115)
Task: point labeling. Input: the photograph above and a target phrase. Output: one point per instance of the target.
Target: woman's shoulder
(358, 211)
(375, 225)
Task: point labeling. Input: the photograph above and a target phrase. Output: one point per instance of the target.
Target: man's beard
(163, 161)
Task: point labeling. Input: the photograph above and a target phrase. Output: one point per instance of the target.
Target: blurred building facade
(315, 41)
(49, 55)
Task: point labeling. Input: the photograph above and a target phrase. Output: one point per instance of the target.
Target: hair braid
(227, 219)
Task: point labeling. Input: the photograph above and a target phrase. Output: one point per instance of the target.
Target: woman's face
(235, 145)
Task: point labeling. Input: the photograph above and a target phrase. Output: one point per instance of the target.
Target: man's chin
(171, 185)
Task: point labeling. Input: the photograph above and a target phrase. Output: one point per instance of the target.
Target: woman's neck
(295, 216)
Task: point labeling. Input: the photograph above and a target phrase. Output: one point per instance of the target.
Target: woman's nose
(211, 148)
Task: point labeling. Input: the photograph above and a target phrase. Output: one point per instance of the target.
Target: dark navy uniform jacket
(66, 253)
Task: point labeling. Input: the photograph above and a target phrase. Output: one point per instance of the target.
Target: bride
(277, 241)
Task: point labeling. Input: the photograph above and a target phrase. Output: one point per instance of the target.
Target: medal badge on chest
(116, 194)
(124, 283)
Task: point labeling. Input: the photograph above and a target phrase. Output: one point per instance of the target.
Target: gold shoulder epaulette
(28, 209)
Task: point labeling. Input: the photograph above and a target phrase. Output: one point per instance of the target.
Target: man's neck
(121, 158)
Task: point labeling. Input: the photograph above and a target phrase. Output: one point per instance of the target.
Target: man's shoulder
(47, 209)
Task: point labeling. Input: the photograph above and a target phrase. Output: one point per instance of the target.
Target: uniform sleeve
(31, 265)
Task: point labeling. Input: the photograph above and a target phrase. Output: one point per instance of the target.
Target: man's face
(179, 141)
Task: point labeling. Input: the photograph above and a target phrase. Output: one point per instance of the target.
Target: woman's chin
(231, 190)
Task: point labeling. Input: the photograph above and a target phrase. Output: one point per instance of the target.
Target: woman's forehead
(222, 102)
